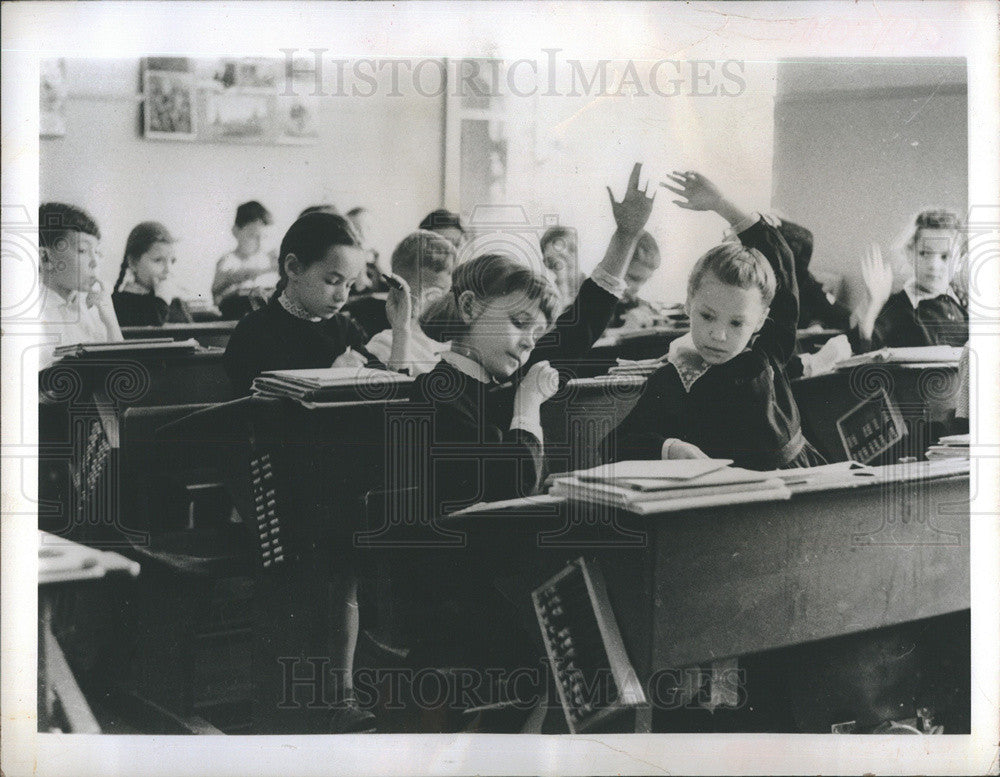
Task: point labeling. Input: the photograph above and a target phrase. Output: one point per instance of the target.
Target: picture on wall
(225, 100)
(169, 105)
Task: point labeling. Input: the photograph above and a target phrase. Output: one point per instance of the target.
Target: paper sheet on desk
(654, 469)
(505, 504)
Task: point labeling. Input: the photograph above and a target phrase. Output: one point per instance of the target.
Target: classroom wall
(383, 152)
(861, 147)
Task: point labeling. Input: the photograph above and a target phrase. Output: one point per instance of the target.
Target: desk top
(64, 561)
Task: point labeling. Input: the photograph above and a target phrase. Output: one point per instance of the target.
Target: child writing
(238, 272)
(724, 391)
(146, 299)
(425, 260)
(926, 311)
(74, 305)
(301, 326)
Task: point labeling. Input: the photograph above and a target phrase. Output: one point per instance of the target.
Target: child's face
(503, 332)
(71, 265)
(250, 237)
(934, 260)
(155, 265)
(724, 318)
(322, 287)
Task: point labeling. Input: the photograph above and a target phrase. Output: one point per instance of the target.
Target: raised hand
(698, 192)
(877, 276)
(632, 213)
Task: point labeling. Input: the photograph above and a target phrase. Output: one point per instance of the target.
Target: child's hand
(399, 305)
(538, 385)
(698, 192)
(632, 213)
(877, 275)
(350, 358)
(679, 449)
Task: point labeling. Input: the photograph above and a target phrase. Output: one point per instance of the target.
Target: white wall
(381, 152)
(862, 147)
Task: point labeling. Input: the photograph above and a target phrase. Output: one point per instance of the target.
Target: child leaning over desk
(724, 391)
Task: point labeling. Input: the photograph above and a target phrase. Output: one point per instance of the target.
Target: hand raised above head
(698, 192)
(632, 213)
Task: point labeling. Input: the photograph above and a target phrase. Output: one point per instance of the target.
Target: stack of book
(955, 446)
(138, 347)
(923, 355)
(645, 487)
(330, 384)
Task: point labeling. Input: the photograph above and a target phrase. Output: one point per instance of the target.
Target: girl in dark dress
(724, 392)
(144, 299)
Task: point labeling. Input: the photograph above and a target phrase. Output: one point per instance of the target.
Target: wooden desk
(207, 333)
(64, 565)
(925, 395)
(688, 588)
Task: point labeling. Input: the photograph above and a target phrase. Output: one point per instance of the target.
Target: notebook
(669, 470)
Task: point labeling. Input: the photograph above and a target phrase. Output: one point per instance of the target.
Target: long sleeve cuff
(741, 226)
(612, 284)
(529, 422)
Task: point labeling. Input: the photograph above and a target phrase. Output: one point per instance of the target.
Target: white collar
(467, 366)
(916, 297)
(295, 309)
(687, 361)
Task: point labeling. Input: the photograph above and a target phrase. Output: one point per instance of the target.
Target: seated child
(242, 270)
(425, 260)
(147, 299)
(74, 306)
(370, 281)
(559, 255)
(633, 311)
(926, 311)
(447, 224)
(301, 327)
(724, 392)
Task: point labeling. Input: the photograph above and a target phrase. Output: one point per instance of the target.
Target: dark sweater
(938, 321)
(369, 311)
(133, 309)
(273, 339)
(742, 410)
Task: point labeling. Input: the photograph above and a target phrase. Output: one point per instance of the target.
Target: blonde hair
(487, 276)
(735, 265)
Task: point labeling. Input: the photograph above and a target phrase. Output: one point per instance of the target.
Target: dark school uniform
(148, 310)
(369, 311)
(271, 338)
(940, 320)
(742, 410)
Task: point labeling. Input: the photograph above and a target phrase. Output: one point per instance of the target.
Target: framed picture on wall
(169, 105)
